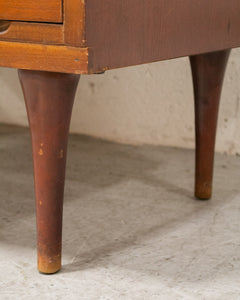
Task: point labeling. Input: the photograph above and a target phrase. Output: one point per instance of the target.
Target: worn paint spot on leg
(40, 152)
(61, 153)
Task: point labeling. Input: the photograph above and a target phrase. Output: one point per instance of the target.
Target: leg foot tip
(203, 192)
(49, 266)
(202, 197)
(47, 272)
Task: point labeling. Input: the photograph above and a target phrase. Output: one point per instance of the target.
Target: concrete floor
(132, 229)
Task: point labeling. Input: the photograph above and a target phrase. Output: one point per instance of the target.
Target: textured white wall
(145, 104)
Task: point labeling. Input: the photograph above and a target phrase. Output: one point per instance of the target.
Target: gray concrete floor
(132, 229)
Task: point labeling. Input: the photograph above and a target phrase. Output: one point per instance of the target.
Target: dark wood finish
(49, 98)
(122, 32)
(208, 73)
(31, 10)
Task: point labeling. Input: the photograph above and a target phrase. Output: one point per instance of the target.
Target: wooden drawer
(31, 10)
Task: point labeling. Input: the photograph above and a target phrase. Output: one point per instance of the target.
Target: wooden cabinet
(113, 33)
(52, 42)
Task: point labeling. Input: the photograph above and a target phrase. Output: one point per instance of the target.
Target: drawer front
(31, 10)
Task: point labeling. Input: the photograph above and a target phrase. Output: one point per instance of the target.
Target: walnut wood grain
(31, 10)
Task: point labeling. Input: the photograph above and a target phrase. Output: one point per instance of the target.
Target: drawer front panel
(31, 10)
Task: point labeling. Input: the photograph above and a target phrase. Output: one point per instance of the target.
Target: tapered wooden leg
(49, 99)
(208, 74)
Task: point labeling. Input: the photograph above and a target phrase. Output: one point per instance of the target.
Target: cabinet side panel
(122, 32)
